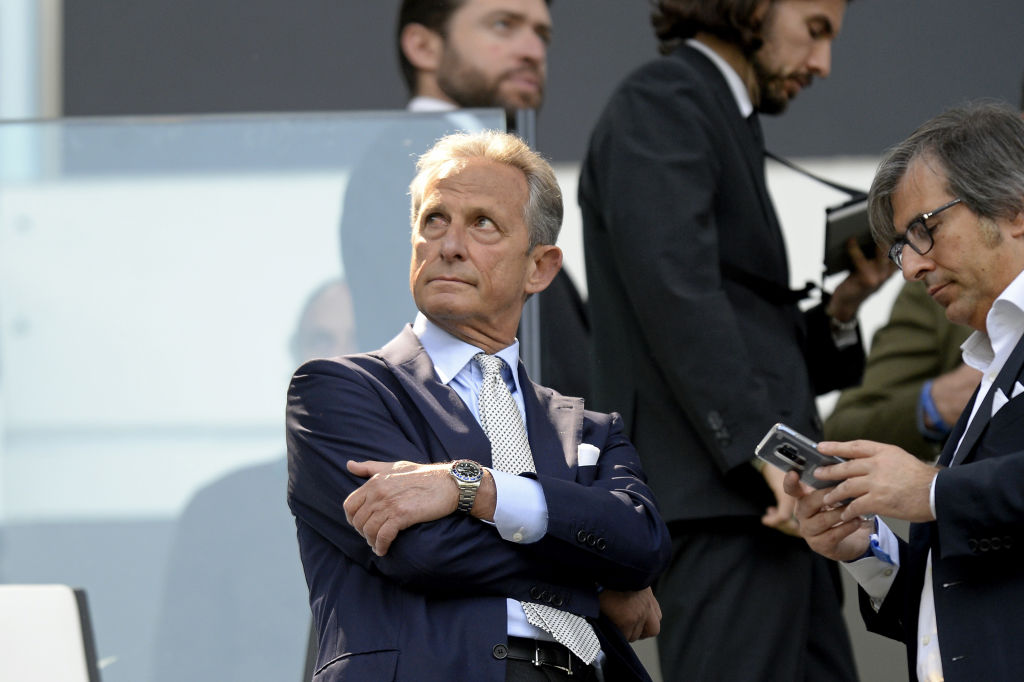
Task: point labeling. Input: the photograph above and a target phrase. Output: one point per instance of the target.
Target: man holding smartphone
(949, 202)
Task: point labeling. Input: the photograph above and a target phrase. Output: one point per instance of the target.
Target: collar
(450, 355)
(423, 103)
(735, 83)
(1005, 325)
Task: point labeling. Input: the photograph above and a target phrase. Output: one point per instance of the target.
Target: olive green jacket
(918, 343)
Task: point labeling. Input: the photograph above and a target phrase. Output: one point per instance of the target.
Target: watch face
(468, 471)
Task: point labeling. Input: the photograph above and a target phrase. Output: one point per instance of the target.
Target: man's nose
(915, 266)
(820, 61)
(532, 47)
(453, 243)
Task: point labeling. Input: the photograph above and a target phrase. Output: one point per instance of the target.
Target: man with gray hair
(457, 521)
(949, 203)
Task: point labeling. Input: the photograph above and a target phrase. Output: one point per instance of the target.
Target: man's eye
(818, 31)
(486, 223)
(434, 222)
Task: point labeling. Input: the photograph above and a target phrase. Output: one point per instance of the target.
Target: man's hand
(636, 614)
(401, 494)
(821, 525)
(881, 479)
(867, 276)
(952, 390)
(780, 517)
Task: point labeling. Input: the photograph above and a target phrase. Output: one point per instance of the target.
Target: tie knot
(490, 365)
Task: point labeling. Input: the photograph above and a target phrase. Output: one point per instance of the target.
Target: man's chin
(521, 100)
(773, 102)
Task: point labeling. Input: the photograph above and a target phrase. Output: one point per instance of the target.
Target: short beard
(771, 90)
(468, 88)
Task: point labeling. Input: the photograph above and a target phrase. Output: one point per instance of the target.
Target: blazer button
(591, 540)
(984, 545)
(535, 592)
(715, 420)
(972, 544)
(499, 651)
(581, 536)
(557, 600)
(601, 544)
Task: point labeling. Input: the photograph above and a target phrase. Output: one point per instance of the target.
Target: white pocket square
(998, 400)
(1017, 389)
(587, 455)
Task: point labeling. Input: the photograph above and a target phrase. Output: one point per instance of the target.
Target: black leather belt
(544, 653)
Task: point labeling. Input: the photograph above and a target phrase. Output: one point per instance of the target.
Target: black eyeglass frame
(918, 230)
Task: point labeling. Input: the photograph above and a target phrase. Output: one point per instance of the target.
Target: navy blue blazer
(434, 607)
(977, 547)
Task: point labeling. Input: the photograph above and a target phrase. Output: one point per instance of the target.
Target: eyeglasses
(918, 236)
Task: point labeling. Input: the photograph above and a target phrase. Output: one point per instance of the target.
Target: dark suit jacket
(977, 547)
(695, 339)
(433, 608)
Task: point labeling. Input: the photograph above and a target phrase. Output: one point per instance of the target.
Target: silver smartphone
(789, 450)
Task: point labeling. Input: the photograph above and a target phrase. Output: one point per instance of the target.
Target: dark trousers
(741, 601)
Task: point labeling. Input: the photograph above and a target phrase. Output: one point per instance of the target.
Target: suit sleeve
(336, 412)
(979, 504)
(656, 164)
(610, 530)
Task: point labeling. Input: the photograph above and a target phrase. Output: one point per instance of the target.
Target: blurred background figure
(453, 54)
(234, 606)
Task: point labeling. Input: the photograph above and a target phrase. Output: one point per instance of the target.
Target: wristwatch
(467, 475)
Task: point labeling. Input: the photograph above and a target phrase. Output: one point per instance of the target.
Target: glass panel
(159, 281)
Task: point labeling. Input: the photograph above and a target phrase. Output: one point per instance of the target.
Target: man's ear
(1017, 226)
(545, 262)
(422, 47)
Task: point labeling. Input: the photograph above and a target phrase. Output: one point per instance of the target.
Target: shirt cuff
(877, 569)
(520, 510)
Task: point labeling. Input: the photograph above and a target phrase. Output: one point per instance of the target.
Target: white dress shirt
(987, 353)
(736, 86)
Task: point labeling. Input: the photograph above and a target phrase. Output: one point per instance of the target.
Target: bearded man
(699, 341)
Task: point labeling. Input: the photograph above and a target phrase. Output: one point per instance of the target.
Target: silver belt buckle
(538, 663)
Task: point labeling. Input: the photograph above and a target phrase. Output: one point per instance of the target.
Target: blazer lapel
(949, 449)
(445, 413)
(1004, 382)
(554, 423)
(750, 145)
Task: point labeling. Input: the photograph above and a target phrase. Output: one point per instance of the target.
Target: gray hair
(979, 147)
(543, 210)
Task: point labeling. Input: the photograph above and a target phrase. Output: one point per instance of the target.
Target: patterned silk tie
(510, 451)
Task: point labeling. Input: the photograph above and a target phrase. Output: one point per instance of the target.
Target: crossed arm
(349, 441)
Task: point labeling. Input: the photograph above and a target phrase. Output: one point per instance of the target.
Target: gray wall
(897, 63)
